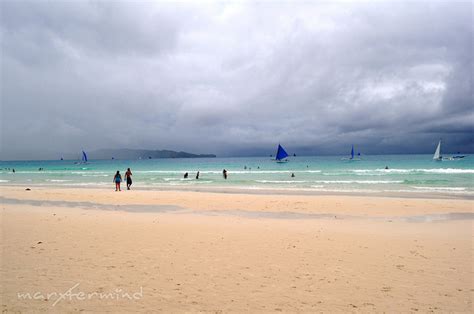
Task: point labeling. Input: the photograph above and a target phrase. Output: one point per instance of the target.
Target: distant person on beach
(292, 175)
(117, 180)
(197, 175)
(186, 175)
(386, 167)
(13, 170)
(224, 173)
(128, 177)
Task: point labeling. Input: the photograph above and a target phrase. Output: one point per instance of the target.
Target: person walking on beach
(186, 175)
(128, 177)
(117, 180)
(224, 173)
(197, 175)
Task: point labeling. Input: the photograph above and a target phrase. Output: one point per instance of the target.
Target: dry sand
(205, 255)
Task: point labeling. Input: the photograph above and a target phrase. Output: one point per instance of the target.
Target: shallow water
(408, 174)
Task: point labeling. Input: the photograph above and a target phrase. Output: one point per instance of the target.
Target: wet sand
(189, 251)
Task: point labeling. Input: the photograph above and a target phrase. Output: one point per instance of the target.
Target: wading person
(128, 177)
(117, 180)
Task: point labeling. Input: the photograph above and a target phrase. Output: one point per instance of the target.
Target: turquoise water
(406, 174)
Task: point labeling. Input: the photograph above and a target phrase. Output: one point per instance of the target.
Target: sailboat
(84, 157)
(437, 155)
(353, 157)
(281, 155)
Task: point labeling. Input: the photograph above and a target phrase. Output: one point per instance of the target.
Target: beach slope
(97, 250)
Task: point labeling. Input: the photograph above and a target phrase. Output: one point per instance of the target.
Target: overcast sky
(236, 78)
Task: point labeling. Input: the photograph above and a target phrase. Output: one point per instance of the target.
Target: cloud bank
(235, 78)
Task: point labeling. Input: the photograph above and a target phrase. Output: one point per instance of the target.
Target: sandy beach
(97, 250)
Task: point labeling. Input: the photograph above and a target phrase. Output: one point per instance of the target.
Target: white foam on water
(422, 170)
(439, 188)
(4, 181)
(430, 190)
(317, 188)
(357, 181)
(96, 175)
(54, 180)
(335, 181)
(177, 179)
(279, 181)
(256, 171)
(89, 184)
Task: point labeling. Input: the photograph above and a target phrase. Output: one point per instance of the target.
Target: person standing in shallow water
(117, 180)
(224, 174)
(128, 177)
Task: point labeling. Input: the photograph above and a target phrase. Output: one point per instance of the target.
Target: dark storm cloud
(235, 78)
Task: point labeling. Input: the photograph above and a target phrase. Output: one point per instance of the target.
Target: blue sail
(84, 156)
(281, 153)
(352, 152)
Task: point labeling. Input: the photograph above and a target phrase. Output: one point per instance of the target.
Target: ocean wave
(182, 183)
(57, 180)
(3, 181)
(96, 175)
(178, 179)
(436, 170)
(324, 189)
(428, 181)
(357, 181)
(257, 171)
(432, 190)
(279, 181)
(439, 188)
(334, 181)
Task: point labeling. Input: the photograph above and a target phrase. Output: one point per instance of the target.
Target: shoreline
(173, 209)
(342, 205)
(262, 191)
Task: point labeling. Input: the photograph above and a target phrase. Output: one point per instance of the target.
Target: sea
(407, 175)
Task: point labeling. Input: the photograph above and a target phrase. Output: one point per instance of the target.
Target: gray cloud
(235, 78)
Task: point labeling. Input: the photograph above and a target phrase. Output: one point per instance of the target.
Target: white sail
(437, 154)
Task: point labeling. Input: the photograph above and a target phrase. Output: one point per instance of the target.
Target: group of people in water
(128, 177)
(186, 175)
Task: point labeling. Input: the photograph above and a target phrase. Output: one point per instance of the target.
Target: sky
(236, 78)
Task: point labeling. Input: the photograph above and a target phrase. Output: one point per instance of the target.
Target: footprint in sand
(386, 289)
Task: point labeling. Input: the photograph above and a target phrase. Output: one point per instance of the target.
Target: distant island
(142, 154)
